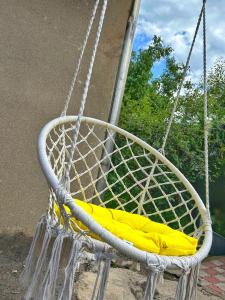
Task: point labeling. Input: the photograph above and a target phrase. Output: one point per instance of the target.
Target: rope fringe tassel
(192, 283)
(70, 270)
(182, 285)
(33, 254)
(102, 276)
(48, 285)
(152, 280)
(41, 263)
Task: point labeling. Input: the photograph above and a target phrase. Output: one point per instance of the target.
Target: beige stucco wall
(39, 42)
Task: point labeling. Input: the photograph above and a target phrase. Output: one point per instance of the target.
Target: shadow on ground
(13, 251)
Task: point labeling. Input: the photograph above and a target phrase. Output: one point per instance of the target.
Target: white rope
(85, 92)
(74, 78)
(64, 179)
(206, 120)
(28, 271)
(42, 262)
(150, 177)
(181, 83)
(48, 286)
(162, 150)
(102, 276)
(151, 283)
(72, 267)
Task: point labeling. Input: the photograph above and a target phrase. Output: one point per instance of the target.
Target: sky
(175, 22)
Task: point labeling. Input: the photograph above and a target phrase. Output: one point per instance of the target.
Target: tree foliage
(148, 102)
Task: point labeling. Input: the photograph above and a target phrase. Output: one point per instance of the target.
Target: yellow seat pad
(140, 231)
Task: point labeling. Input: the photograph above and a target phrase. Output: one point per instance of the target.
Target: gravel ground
(13, 251)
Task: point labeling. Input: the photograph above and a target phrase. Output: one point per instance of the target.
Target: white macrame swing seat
(94, 161)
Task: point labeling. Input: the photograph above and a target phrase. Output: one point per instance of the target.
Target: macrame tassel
(192, 283)
(71, 268)
(33, 254)
(102, 276)
(151, 283)
(41, 263)
(161, 278)
(182, 285)
(48, 286)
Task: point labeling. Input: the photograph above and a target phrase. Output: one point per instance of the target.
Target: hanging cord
(74, 78)
(162, 149)
(182, 81)
(64, 181)
(85, 93)
(206, 120)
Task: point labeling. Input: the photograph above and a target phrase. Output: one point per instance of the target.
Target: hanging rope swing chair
(112, 195)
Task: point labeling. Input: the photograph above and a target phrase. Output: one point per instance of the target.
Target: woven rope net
(129, 176)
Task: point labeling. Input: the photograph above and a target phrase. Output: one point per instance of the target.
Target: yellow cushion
(143, 233)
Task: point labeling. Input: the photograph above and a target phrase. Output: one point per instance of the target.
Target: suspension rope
(202, 15)
(74, 78)
(85, 93)
(206, 120)
(182, 81)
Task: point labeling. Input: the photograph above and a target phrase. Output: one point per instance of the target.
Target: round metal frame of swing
(179, 199)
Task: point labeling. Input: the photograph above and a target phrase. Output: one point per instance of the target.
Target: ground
(13, 250)
(123, 284)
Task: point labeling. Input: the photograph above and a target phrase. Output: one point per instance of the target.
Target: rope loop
(159, 267)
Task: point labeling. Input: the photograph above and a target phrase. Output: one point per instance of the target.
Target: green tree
(147, 106)
(148, 102)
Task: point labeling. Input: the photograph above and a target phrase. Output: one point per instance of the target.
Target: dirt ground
(13, 251)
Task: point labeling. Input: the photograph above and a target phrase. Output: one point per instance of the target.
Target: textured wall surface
(40, 43)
